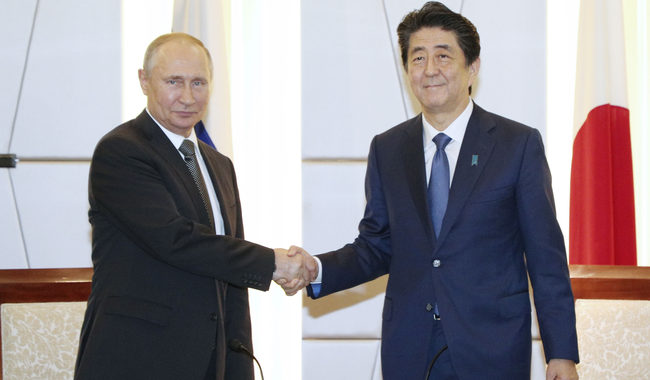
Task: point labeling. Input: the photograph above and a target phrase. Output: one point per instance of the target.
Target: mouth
(185, 113)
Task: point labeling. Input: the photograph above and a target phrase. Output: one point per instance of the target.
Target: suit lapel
(219, 176)
(413, 159)
(474, 154)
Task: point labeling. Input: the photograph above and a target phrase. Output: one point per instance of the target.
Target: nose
(431, 67)
(187, 96)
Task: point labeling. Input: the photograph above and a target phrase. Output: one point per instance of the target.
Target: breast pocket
(493, 195)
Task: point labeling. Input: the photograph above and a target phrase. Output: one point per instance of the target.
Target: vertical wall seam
(396, 61)
(22, 77)
(13, 129)
(20, 224)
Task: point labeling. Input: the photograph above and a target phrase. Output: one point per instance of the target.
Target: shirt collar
(175, 139)
(455, 130)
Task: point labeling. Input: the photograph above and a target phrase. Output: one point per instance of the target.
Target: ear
(144, 82)
(473, 70)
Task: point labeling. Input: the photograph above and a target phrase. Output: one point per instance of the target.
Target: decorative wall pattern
(613, 338)
(40, 340)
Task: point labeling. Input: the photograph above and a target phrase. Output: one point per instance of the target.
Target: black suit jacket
(166, 290)
(499, 228)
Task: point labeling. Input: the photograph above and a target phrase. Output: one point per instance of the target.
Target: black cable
(238, 346)
(433, 361)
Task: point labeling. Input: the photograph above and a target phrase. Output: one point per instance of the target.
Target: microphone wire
(433, 361)
(238, 346)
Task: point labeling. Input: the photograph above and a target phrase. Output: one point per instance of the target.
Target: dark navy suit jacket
(166, 290)
(500, 226)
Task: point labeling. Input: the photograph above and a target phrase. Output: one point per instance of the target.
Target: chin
(186, 124)
(433, 105)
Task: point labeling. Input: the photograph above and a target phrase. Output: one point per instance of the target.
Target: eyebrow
(182, 77)
(440, 46)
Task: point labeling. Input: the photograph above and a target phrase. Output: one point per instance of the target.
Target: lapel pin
(475, 160)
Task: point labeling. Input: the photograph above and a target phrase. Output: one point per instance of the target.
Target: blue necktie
(438, 190)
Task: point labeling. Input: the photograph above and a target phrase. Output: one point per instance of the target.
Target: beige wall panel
(53, 205)
(512, 77)
(351, 88)
(333, 204)
(537, 362)
(14, 29)
(12, 250)
(341, 359)
(72, 89)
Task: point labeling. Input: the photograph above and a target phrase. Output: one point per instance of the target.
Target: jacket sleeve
(545, 254)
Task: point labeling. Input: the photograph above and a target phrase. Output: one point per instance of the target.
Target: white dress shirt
(455, 130)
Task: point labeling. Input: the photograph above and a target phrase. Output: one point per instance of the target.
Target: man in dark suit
(459, 213)
(171, 268)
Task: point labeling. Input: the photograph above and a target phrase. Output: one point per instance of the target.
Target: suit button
(436, 263)
(429, 307)
(213, 316)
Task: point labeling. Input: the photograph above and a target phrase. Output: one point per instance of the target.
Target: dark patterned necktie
(187, 148)
(438, 191)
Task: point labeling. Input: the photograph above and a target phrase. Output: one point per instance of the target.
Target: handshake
(294, 269)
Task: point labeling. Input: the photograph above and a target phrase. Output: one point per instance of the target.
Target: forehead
(431, 38)
(179, 57)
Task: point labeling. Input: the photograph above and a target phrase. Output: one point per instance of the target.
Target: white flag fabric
(209, 21)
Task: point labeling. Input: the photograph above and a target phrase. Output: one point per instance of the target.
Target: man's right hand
(294, 271)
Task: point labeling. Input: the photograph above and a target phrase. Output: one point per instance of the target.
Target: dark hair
(435, 14)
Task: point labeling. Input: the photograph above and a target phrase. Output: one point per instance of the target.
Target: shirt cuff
(319, 278)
